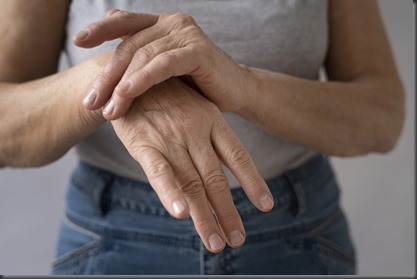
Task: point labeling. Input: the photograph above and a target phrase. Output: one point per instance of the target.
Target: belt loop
(299, 193)
(98, 194)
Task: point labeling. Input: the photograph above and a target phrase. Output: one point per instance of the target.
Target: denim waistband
(106, 189)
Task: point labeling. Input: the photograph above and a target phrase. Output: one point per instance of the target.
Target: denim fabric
(115, 225)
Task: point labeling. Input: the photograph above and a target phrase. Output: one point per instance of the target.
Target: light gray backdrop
(378, 191)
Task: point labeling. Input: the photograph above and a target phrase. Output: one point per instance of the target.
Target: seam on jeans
(79, 250)
(112, 233)
(328, 244)
(333, 248)
(299, 194)
(332, 218)
(99, 192)
(69, 222)
(202, 261)
(288, 231)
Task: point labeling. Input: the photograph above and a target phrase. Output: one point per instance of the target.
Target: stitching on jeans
(75, 256)
(67, 220)
(332, 218)
(328, 244)
(298, 193)
(202, 261)
(79, 250)
(111, 233)
(288, 231)
(336, 250)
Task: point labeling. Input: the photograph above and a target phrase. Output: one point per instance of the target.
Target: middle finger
(218, 192)
(190, 183)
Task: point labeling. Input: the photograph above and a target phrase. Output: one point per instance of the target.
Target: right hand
(154, 49)
(180, 139)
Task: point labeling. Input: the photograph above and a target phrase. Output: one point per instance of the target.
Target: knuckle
(111, 12)
(213, 110)
(144, 55)
(204, 222)
(123, 14)
(146, 76)
(104, 76)
(216, 182)
(239, 156)
(127, 47)
(183, 19)
(191, 188)
(158, 168)
(252, 185)
(228, 217)
(168, 61)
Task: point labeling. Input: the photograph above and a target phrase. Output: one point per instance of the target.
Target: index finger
(161, 177)
(118, 25)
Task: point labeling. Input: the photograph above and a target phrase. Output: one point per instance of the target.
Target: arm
(360, 110)
(40, 112)
(178, 141)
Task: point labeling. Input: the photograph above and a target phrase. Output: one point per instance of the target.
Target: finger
(218, 192)
(118, 25)
(237, 159)
(161, 177)
(116, 107)
(190, 183)
(104, 84)
(112, 12)
(120, 103)
(176, 62)
(106, 81)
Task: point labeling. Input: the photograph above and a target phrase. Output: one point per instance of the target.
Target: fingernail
(236, 238)
(267, 202)
(90, 99)
(216, 242)
(124, 86)
(83, 34)
(109, 108)
(178, 207)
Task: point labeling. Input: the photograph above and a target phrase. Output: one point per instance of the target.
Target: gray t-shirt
(288, 36)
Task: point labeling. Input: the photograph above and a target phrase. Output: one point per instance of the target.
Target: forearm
(42, 119)
(336, 118)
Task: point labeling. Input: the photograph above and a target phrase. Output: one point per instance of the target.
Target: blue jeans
(115, 225)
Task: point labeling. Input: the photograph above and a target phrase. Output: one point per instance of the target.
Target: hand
(155, 48)
(178, 137)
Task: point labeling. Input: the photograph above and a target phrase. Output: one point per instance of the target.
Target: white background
(377, 190)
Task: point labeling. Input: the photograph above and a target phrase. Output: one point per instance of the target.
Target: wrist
(250, 90)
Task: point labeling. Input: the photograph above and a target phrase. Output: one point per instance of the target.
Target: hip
(116, 225)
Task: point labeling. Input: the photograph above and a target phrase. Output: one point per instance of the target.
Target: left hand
(180, 139)
(155, 48)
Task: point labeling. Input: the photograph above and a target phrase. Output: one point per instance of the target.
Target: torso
(283, 36)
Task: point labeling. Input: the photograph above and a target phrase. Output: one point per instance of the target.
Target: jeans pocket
(334, 245)
(77, 248)
(335, 257)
